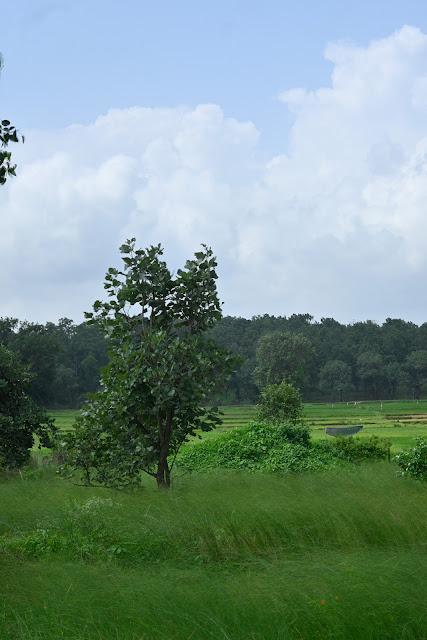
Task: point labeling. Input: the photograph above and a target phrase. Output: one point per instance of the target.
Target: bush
(294, 433)
(258, 447)
(280, 403)
(414, 463)
(357, 450)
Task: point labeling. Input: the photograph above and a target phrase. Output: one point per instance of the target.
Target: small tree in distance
(280, 403)
(162, 368)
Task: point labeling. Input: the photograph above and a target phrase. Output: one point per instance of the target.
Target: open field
(400, 420)
(227, 556)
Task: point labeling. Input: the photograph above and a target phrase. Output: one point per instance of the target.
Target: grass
(228, 555)
(399, 420)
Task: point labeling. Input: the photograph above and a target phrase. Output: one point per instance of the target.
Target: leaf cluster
(414, 462)
(8, 133)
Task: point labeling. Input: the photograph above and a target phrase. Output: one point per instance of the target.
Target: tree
(39, 348)
(283, 356)
(20, 418)
(335, 378)
(416, 365)
(370, 369)
(280, 403)
(8, 133)
(162, 368)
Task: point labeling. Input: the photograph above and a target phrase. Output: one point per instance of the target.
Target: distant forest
(358, 361)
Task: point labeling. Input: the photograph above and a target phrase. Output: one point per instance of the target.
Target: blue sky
(288, 136)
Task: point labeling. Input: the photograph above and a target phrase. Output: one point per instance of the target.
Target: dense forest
(327, 360)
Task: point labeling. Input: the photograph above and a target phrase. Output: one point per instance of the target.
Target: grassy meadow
(337, 555)
(227, 556)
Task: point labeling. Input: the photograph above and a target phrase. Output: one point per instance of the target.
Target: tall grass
(226, 555)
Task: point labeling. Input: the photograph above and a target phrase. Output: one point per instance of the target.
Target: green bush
(414, 463)
(258, 447)
(357, 450)
(280, 403)
(294, 433)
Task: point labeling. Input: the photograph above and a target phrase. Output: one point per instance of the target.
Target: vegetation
(414, 462)
(226, 555)
(280, 403)
(8, 133)
(20, 418)
(162, 369)
(259, 447)
(360, 361)
(359, 449)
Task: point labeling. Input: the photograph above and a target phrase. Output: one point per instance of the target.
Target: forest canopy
(362, 360)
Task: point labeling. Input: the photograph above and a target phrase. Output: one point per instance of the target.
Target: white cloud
(335, 226)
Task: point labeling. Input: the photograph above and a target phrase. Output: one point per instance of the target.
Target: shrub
(359, 449)
(258, 447)
(414, 462)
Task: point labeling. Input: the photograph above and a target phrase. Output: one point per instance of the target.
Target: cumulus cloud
(334, 226)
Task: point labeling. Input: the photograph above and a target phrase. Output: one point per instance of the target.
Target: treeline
(65, 357)
(327, 360)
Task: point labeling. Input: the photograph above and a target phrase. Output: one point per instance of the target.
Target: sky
(291, 137)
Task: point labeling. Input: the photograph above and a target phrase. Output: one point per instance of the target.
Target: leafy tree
(370, 370)
(395, 377)
(335, 378)
(280, 403)
(38, 347)
(283, 356)
(162, 368)
(20, 418)
(8, 133)
(8, 328)
(416, 365)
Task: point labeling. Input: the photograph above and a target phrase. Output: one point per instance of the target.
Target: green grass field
(230, 556)
(337, 555)
(400, 420)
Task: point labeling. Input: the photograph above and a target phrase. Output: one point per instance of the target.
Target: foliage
(66, 358)
(162, 367)
(258, 447)
(280, 403)
(8, 133)
(283, 356)
(335, 378)
(81, 351)
(20, 418)
(414, 462)
(359, 449)
(416, 365)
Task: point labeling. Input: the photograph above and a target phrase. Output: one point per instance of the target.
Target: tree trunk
(164, 433)
(163, 472)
